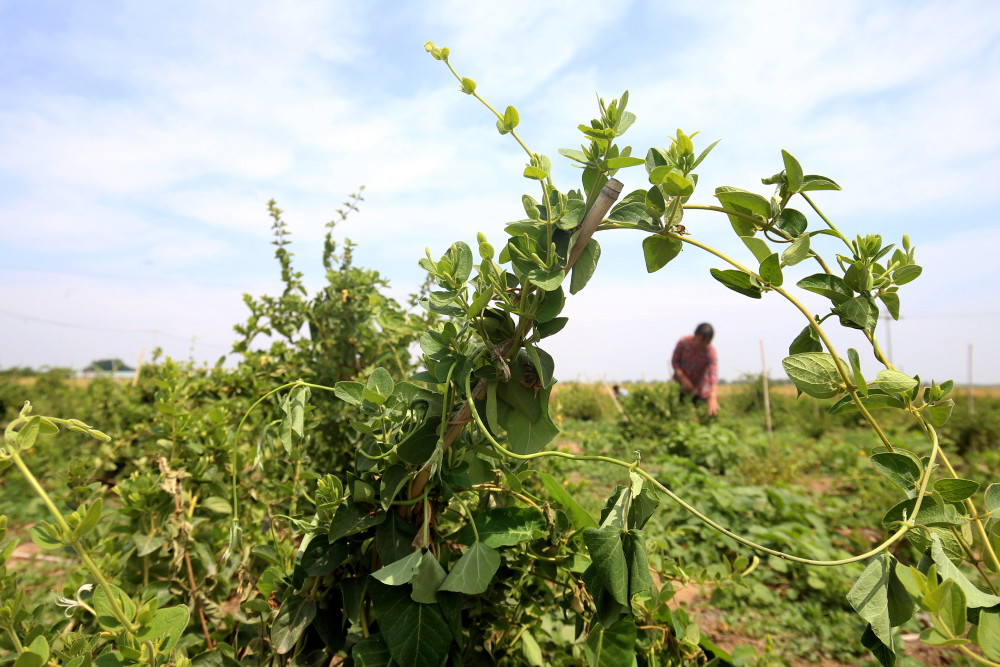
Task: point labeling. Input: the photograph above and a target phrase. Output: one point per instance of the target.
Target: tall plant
(443, 546)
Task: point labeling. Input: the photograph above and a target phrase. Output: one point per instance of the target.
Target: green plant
(138, 630)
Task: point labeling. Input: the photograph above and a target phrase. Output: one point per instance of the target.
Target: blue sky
(141, 142)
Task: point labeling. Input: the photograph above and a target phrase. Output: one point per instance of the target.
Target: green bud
(468, 85)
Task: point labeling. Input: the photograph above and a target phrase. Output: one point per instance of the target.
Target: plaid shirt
(701, 367)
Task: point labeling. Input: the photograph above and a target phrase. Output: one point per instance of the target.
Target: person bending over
(696, 368)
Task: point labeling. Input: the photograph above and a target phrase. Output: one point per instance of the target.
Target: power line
(87, 327)
(110, 276)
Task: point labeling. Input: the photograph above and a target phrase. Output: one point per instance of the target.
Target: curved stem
(978, 658)
(488, 106)
(987, 545)
(680, 501)
(74, 542)
(829, 224)
(756, 222)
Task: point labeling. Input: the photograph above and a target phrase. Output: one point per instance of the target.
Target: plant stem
(829, 224)
(15, 640)
(680, 501)
(74, 542)
(987, 545)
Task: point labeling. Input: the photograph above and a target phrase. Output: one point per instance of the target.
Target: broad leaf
(165, 628)
(894, 382)
(827, 285)
(975, 598)
(814, 373)
(793, 172)
(293, 618)
(659, 250)
(608, 565)
(585, 266)
(474, 571)
(416, 634)
(579, 516)
(611, 647)
(504, 527)
(738, 282)
(901, 470)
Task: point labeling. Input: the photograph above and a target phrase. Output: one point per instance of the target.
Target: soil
(694, 599)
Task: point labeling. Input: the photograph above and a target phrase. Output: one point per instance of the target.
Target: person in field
(696, 368)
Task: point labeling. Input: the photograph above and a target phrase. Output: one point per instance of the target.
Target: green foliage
(583, 402)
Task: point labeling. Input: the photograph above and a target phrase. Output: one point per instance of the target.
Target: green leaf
(524, 435)
(956, 490)
(165, 628)
(372, 652)
(585, 266)
(792, 222)
(90, 518)
(859, 378)
(416, 634)
(548, 279)
(474, 571)
(580, 517)
(543, 363)
(535, 173)
(796, 252)
(875, 400)
(859, 312)
(511, 118)
(380, 384)
(770, 270)
(622, 162)
(991, 498)
(885, 655)
(659, 250)
(906, 274)
(217, 505)
(814, 373)
(951, 610)
(608, 565)
(349, 392)
(758, 247)
(901, 470)
(894, 382)
(611, 647)
(531, 651)
(743, 201)
(824, 284)
(975, 598)
(675, 184)
(941, 412)
(807, 341)
(988, 633)
(401, 572)
(45, 535)
(813, 182)
(28, 434)
(793, 172)
(504, 527)
(102, 606)
(738, 282)
(35, 654)
(293, 618)
(428, 579)
(573, 217)
(639, 579)
(869, 597)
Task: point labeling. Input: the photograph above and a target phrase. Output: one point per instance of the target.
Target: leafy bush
(583, 402)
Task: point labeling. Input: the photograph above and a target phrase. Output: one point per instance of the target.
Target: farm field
(811, 491)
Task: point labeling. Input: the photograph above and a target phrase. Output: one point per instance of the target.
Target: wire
(110, 276)
(70, 325)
